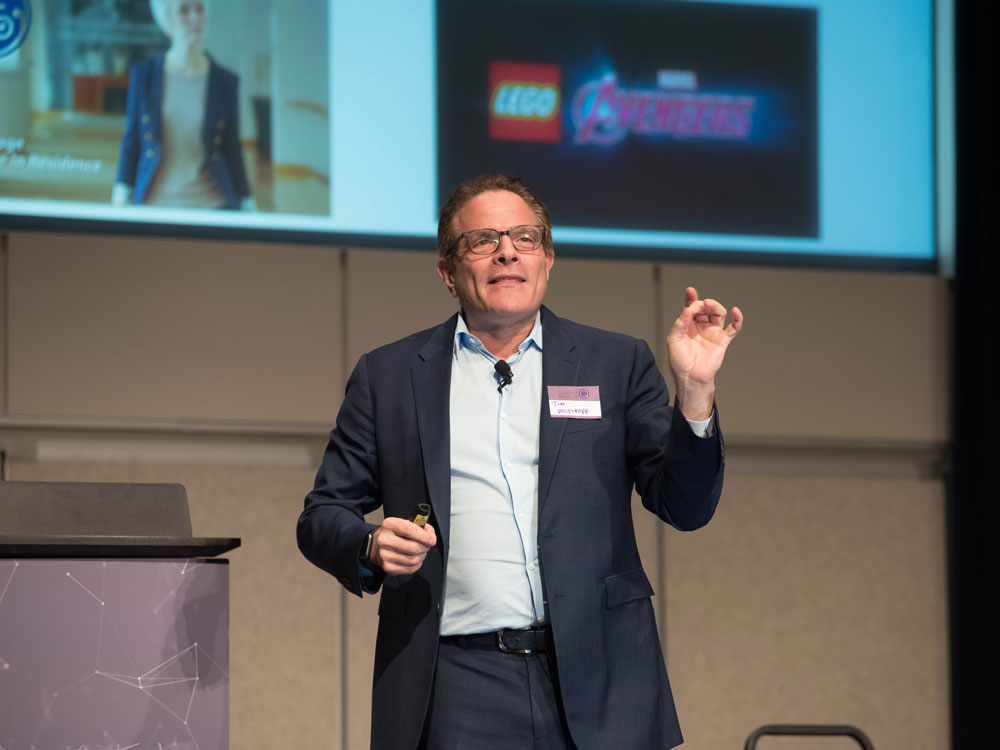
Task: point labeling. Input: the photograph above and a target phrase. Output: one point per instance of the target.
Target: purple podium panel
(114, 654)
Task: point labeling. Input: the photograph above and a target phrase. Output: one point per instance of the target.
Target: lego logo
(524, 102)
(518, 100)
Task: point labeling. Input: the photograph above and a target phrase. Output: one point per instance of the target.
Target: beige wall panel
(120, 327)
(391, 294)
(614, 295)
(812, 601)
(828, 354)
(285, 644)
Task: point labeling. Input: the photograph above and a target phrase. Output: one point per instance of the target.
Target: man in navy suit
(520, 616)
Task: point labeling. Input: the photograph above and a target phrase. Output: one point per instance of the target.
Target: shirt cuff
(704, 428)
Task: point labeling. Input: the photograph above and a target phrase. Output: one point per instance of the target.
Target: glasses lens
(483, 241)
(527, 238)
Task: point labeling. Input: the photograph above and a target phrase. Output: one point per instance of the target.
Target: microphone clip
(505, 373)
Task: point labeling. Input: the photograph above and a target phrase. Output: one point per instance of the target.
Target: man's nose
(505, 252)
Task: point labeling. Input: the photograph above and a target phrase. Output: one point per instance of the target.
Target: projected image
(654, 128)
(688, 117)
(182, 104)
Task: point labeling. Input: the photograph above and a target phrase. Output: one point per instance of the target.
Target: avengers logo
(15, 20)
(604, 114)
(524, 102)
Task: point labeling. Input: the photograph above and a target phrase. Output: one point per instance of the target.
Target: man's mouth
(506, 277)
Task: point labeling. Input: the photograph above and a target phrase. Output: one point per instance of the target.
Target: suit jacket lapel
(431, 377)
(560, 365)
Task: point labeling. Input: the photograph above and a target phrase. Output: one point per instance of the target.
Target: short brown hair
(448, 234)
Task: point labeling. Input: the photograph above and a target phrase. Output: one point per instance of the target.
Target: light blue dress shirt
(493, 579)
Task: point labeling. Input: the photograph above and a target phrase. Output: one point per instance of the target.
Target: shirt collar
(466, 341)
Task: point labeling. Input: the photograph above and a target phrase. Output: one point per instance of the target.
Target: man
(520, 617)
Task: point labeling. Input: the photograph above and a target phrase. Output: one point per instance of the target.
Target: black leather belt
(508, 640)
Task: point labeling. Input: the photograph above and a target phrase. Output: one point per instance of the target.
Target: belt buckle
(503, 647)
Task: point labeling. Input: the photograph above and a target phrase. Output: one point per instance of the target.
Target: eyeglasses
(526, 238)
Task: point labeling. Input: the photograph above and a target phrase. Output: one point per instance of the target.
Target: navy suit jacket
(391, 448)
(142, 141)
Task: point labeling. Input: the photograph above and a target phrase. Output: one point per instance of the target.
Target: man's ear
(447, 273)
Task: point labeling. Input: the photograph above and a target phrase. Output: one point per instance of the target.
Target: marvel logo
(524, 102)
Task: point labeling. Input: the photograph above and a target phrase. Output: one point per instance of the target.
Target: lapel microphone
(506, 374)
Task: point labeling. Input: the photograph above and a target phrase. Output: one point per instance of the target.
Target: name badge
(575, 401)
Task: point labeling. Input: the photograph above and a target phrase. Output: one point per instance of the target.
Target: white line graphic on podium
(114, 615)
(13, 569)
(4, 664)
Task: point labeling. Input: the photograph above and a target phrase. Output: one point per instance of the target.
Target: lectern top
(100, 519)
(93, 508)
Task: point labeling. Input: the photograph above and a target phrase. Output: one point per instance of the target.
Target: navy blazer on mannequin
(391, 448)
(143, 139)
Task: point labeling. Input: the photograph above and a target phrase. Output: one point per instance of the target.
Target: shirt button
(150, 153)
(148, 136)
(520, 515)
(531, 566)
(541, 619)
(145, 118)
(506, 464)
(503, 415)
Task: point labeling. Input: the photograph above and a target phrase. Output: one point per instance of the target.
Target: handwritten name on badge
(575, 401)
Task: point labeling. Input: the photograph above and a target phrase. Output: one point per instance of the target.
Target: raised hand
(697, 344)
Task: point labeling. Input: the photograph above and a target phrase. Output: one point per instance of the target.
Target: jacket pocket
(392, 603)
(627, 587)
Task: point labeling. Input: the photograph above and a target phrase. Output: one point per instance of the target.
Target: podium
(114, 620)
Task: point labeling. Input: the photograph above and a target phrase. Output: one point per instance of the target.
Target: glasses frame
(500, 235)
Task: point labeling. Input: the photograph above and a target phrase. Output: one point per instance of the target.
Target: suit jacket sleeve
(331, 528)
(679, 479)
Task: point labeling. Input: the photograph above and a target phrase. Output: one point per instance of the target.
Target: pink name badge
(575, 401)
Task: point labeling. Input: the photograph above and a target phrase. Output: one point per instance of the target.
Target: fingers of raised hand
(712, 312)
(693, 311)
(699, 314)
(736, 325)
(690, 296)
